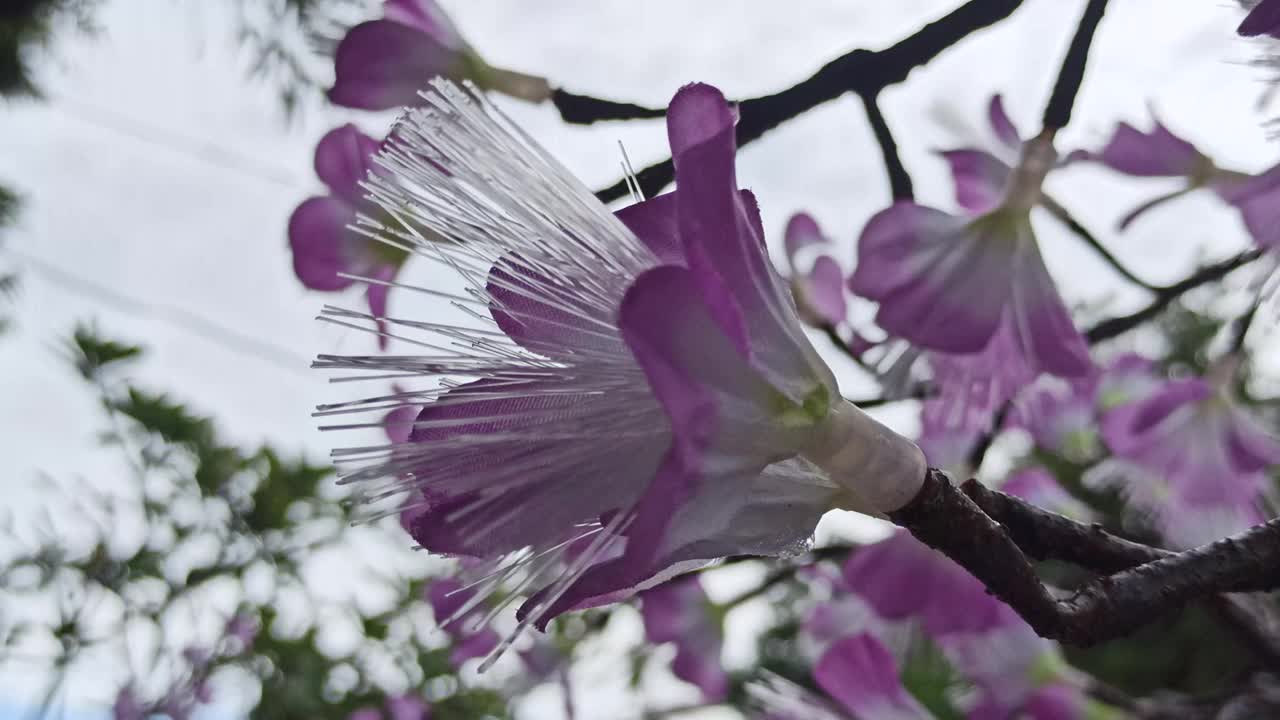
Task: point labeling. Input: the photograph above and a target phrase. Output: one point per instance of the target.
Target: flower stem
(1058, 112)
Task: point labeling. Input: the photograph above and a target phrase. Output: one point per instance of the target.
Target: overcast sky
(157, 170)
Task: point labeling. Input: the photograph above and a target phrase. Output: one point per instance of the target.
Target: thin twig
(1066, 218)
(860, 71)
(1164, 296)
(1058, 111)
(899, 181)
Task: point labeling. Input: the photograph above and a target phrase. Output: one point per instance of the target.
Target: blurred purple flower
(1189, 458)
(457, 615)
(1125, 379)
(819, 292)
(407, 707)
(975, 291)
(365, 713)
(947, 437)
(679, 612)
(664, 330)
(1060, 415)
(1038, 487)
(1160, 153)
(382, 64)
(1263, 19)
(323, 244)
(127, 706)
(862, 676)
(243, 629)
(981, 178)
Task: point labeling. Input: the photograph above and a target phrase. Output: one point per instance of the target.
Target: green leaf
(91, 354)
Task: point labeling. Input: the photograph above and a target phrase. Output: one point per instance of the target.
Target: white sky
(159, 222)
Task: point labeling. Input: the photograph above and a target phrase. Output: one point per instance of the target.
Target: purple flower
(862, 676)
(382, 64)
(1127, 378)
(679, 612)
(461, 619)
(982, 178)
(1263, 19)
(1038, 487)
(1060, 415)
(243, 629)
(948, 437)
(407, 707)
(819, 293)
(127, 706)
(974, 290)
(902, 578)
(661, 336)
(1190, 459)
(323, 244)
(1160, 153)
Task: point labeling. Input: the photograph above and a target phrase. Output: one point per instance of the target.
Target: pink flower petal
(383, 64)
(322, 245)
(344, 157)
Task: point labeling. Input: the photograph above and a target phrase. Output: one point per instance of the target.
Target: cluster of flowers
(624, 396)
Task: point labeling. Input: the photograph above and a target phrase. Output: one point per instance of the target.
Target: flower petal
(1048, 337)
(861, 674)
(425, 16)
(980, 178)
(1258, 200)
(724, 245)
(321, 243)
(654, 222)
(679, 612)
(344, 157)
(822, 292)
(382, 64)
(942, 283)
(1006, 132)
(1157, 153)
(1263, 19)
(802, 232)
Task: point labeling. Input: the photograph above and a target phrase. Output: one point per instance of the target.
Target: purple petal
(490, 497)
(822, 291)
(1038, 487)
(861, 674)
(321, 243)
(367, 713)
(1158, 153)
(474, 645)
(723, 241)
(1263, 19)
(1001, 125)
(407, 707)
(901, 577)
(1047, 335)
(942, 283)
(424, 16)
(382, 64)
(1250, 446)
(344, 157)
(1258, 200)
(654, 222)
(802, 231)
(980, 178)
(679, 612)
(1059, 701)
(542, 314)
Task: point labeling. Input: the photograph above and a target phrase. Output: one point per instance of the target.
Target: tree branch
(1110, 606)
(899, 181)
(1058, 112)
(864, 72)
(1066, 218)
(1164, 296)
(584, 110)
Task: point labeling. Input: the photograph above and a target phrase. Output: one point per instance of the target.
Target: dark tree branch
(864, 72)
(1164, 296)
(1110, 606)
(1058, 112)
(899, 181)
(1066, 218)
(584, 110)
